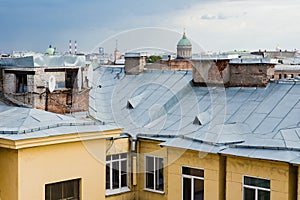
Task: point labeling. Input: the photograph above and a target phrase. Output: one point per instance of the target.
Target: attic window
(202, 118)
(134, 101)
(21, 85)
(197, 121)
(129, 105)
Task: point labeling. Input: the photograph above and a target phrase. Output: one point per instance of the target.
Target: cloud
(220, 16)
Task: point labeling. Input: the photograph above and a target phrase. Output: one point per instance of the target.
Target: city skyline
(214, 25)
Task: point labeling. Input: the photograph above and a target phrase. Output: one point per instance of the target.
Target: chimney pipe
(70, 47)
(75, 47)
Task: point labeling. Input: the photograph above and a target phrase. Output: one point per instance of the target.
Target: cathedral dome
(184, 41)
(184, 48)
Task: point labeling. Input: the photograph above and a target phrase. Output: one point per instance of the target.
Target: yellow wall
(54, 163)
(147, 147)
(210, 163)
(116, 147)
(8, 174)
(277, 172)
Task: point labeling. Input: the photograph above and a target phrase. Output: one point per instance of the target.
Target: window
(63, 190)
(256, 188)
(21, 83)
(154, 177)
(192, 183)
(116, 173)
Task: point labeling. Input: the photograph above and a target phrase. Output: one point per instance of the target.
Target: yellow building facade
(223, 174)
(29, 166)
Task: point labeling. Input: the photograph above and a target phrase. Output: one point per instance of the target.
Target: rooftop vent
(202, 118)
(134, 102)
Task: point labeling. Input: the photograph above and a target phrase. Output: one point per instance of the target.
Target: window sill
(117, 191)
(155, 191)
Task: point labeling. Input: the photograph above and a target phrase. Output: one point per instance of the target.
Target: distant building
(279, 54)
(25, 81)
(182, 61)
(184, 48)
(286, 72)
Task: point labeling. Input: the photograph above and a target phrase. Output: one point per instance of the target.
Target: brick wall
(231, 75)
(211, 72)
(67, 101)
(176, 64)
(250, 75)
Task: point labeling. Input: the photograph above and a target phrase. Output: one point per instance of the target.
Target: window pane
(124, 180)
(149, 164)
(124, 166)
(249, 194)
(108, 158)
(159, 185)
(123, 173)
(263, 195)
(115, 157)
(257, 182)
(115, 175)
(68, 189)
(187, 189)
(124, 155)
(149, 180)
(193, 171)
(56, 191)
(108, 176)
(62, 190)
(198, 189)
(48, 192)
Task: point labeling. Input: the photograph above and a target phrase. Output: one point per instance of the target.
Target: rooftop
(19, 123)
(164, 106)
(44, 61)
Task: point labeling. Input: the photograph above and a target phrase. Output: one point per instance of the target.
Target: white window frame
(255, 187)
(154, 163)
(190, 177)
(112, 191)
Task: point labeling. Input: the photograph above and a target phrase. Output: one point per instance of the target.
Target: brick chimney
(211, 71)
(233, 72)
(135, 63)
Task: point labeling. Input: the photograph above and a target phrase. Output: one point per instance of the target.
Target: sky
(213, 25)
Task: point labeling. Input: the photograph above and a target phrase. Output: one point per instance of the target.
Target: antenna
(70, 47)
(52, 83)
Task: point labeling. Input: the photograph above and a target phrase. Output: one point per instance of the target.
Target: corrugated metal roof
(165, 103)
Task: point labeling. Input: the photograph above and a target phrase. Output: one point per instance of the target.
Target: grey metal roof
(287, 67)
(45, 61)
(22, 123)
(165, 103)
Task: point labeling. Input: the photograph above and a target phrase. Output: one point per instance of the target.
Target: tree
(153, 59)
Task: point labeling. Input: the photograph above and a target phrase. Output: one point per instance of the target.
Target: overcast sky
(217, 25)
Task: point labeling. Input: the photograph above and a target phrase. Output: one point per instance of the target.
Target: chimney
(70, 47)
(135, 63)
(233, 72)
(75, 46)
